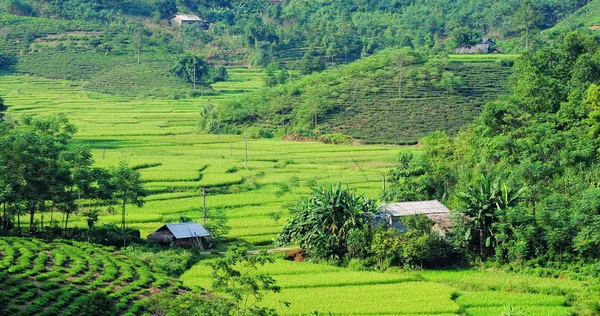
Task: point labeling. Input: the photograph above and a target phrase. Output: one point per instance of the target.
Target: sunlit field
(161, 139)
(327, 289)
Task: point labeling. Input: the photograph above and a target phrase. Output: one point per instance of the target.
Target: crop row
(51, 279)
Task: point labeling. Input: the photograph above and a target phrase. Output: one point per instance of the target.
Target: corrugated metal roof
(188, 17)
(187, 230)
(418, 207)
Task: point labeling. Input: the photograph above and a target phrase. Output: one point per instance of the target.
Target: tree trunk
(123, 215)
(527, 38)
(5, 222)
(31, 220)
(481, 243)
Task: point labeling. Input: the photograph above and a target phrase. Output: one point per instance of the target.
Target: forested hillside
(259, 32)
(525, 174)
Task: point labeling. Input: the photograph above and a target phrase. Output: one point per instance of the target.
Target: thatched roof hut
(185, 235)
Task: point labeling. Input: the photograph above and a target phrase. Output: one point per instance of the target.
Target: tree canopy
(543, 137)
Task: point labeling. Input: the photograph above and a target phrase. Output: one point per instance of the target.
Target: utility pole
(218, 130)
(204, 206)
(246, 149)
(194, 76)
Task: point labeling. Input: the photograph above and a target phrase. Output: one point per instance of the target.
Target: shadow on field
(110, 143)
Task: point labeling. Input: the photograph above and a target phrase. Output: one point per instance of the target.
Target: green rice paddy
(312, 287)
(176, 162)
(160, 138)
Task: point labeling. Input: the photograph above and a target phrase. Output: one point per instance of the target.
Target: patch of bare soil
(296, 255)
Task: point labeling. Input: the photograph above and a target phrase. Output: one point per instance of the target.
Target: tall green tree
(236, 276)
(128, 187)
(3, 109)
(526, 19)
(192, 68)
(166, 8)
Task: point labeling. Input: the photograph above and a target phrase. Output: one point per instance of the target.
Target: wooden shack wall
(190, 243)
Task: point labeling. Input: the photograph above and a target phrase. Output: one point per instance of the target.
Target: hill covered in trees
(104, 35)
(525, 173)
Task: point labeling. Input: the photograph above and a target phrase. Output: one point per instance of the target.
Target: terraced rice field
(317, 287)
(39, 278)
(175, 161)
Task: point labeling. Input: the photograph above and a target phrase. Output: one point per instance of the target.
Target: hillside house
(185, 235)
(189, 19)
(487, 46)
(391, 214)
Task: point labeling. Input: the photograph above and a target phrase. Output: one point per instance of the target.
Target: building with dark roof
(487, 46)
(186, 235)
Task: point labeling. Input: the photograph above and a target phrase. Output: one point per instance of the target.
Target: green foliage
(321, 223)
(310, 63)
(97, 303)
(190, 304)
(235, 275)
(464, 36)
(192, 68)
(172, 262)
(75, 278)
(542, 137)
(335, 138)
(166, 8)
(127, 188)
(3, 109)
(91, 217)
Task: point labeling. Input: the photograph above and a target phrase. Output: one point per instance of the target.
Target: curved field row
(332, 290)
(39, 278)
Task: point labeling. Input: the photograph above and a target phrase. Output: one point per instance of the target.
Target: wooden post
(204, 206)
(246, 149)
(383, 181)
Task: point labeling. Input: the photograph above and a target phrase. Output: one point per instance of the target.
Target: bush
(187, 304)
(335, 138)
(97, 304)
(255, 132)
(505, 62)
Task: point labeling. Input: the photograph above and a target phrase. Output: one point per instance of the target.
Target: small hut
(185, 235)
(487, 46)
(391, 214)
(189, 19)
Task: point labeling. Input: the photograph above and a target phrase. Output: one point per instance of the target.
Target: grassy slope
(341, 291)
(60, 50)
(40, 278)
(586, 17)
(163, 132)
(362, 99)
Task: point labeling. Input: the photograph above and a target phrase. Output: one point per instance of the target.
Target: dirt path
(254, 252)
